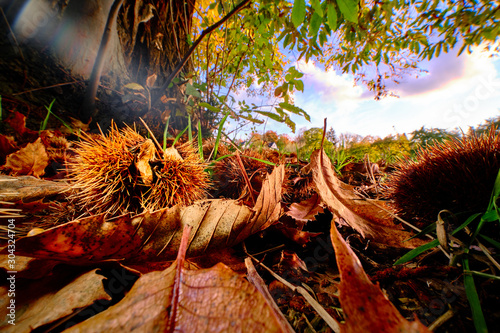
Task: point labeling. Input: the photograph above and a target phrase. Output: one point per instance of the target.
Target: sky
(457, 92)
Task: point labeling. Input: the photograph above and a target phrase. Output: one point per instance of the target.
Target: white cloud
(457, 92)
(329, 87)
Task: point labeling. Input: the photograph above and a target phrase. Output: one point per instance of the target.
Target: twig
(152, 135)
(256, 280)
(441, 320)
(488, 254)
(334, 325)
(48, 87)
(245, 176)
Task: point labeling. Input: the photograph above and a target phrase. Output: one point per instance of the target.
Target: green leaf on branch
(271, 115)
(190, 90)
(295, 109)
(331, 14)
(315, 24)
(209, 107)
(298, 12)
(349, 8)
(316, 5)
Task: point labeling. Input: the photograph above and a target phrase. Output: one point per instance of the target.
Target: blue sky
(457, 92)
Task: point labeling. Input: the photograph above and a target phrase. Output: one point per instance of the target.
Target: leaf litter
(216, 298)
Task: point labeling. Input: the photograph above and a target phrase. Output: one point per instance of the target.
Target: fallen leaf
(267, 206)
(257, 281)
(365, 217)
(30, 160)
(178, 299)
(44, 301)
(76, 126)
(155, 236)
(148, 236)
(28, 188)
(7, 146)
(18, 124)
(306, 210)
(298, 236)
(365, 307)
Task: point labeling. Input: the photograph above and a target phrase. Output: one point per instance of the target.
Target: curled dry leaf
(306, 210)
(30, 160)
(43, 302)
(155, 236)
(365, 307)
(369, 220)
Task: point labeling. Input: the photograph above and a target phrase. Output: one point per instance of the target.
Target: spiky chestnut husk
(123, 172)
(229, 177)
(178, 180)
(457, 175)
(208, 148)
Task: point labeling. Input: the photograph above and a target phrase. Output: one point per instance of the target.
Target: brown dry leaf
(306, 210)
(298, 236)
(365, 307)
(257, 281)
(28, 188)
(267, 206)
(44, 301)
(178, 299)
(76, 126)
(30, 160)
(369, 220)
(156, 236)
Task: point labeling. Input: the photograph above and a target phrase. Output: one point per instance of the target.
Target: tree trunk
(150, 38)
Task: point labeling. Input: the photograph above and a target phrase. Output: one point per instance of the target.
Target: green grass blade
(190, 134)
(165, 134)
(43, 125)
(62, 121)
(481, 274)
(491, 241)
(219, 134)
(415, 252)
(427, 230)
(200, 141)
(258, 159)
(495, 193)
(473, 297)
(223, 157)
(179, 135)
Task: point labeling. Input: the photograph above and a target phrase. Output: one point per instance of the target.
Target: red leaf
(18, 124)
(365, 307)
(306, 210)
